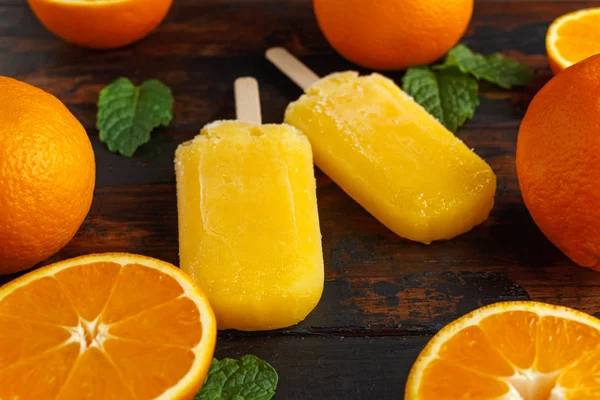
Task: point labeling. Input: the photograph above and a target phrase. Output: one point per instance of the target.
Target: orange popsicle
(389, 154)
(248, 222)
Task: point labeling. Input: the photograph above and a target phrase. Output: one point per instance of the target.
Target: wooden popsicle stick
(247, 100)
(292, 67)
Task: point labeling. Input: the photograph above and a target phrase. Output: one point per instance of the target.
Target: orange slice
(104, 326)
(573, 38)
(511, 351)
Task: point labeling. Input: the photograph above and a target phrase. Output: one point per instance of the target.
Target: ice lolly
(248, 222)
(388, 153)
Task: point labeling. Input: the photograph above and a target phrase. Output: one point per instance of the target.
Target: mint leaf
(503, 71)
(449, 94)
(248, 378)
(127, 114)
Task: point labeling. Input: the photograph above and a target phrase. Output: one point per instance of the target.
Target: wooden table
(384, 296)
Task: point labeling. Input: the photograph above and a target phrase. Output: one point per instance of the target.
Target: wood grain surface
(384, 296)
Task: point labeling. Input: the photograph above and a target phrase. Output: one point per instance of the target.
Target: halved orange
(511, 351)
(104, 326)
(572, 38)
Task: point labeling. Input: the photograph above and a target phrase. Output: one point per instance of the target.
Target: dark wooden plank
(332, 368)
(152, 163)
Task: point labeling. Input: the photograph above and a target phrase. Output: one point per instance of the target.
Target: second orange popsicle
(390, 155)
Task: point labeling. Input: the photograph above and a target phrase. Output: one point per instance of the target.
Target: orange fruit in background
(104, 326)
(47, 175)
(101, 24)
(393, 34)
(513, 350)
(573, 37)
(558, 161)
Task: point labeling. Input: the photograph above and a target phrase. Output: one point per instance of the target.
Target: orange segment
(583, 394)
(139, 288)
(59, 338)
(21, 338)
(29, 380)
(573, 38)
(471, 348)
(41, 300)
(582, 380)
(95, 377)
(514, 350)
(561, 341)
(89, 286)
(178, 318)
(443, 380)
(163, 366)
(513, 334)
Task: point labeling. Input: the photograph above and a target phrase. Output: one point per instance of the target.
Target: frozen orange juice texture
(389, 154)
(248, 223)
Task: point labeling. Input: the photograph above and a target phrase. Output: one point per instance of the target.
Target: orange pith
(101, 24)
(116, 326)
(572, 38)
(514, 350)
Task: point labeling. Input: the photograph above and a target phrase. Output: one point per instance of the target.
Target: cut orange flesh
(104, 326)
(573, 38)
(511, 351)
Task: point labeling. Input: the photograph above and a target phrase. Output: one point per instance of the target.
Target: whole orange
(47, 175)
(393, 34)
(101, 24)
(558, 161)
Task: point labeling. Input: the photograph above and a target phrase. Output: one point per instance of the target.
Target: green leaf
(248, 378)
(449, 94)
(127, 114)
(496, 68)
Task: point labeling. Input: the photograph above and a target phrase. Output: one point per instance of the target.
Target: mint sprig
(248, 378)
(127, 114)
(500, 70)
(449, 95)
(449, 91)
